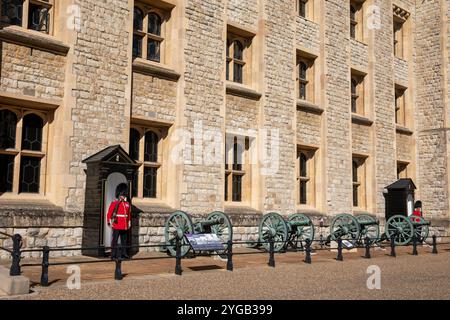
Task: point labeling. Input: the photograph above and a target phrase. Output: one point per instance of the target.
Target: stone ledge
(242, 91)
(32, 39)
(306, 106)
(403, 130)
(19, 100)
(357, 119)
(144, 67)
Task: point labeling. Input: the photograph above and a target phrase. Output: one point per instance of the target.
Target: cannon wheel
(224, 230)
(372, 230)
(302, 232)
(402, 229)
(421, 231)
(179, 223)
(346, 227)
(273, 222)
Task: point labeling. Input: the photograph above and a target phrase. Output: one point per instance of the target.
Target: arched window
(353, 21)
(302, 79)
(151, 147)
(238, 56)
(154, 37)
(303, 165)
(32, 132)
(138, 19)
(355, 96)
(154, 24)
(147, 34)
(8, 124)
(356, 183)
(138, 26)
(303, 178)
(134, 144)
(302, 8)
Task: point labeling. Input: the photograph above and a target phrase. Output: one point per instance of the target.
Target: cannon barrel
(212, 222)
(298, 223)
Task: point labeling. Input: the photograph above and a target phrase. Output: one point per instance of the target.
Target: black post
(118, 271)
(45, 264)
(435, 251)
(393, 254)
(230, 256)
(414, 241)
(178, 270)
(308, 251)
(367, 241)
(15, 255)
(271, 253)
(339, 257)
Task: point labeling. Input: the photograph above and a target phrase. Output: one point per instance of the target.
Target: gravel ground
(405, 277)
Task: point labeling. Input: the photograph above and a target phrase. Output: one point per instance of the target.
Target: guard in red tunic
(119, 218)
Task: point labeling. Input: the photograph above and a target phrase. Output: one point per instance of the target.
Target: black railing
(368, 243)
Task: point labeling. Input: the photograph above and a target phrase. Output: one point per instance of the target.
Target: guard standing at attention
(119, 218)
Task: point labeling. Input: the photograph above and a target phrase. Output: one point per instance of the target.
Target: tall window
(359, 182)
(148, 33)
(356, 20)
(357, 94)
(146, 182)
(402, 170)
(356, 183)
(39, 14)
(236, 170)
(25, 155)
(400, 106)
(398, 38)
(302, 79)
(302, 10)
(305, 176)
(235, 60)
(305, 78)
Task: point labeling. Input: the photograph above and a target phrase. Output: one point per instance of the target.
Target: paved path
(425, 276)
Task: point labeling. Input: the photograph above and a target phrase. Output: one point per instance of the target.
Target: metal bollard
(230, 256)
(45, 264)
(367, 242)
(308, 251)
(339, 257)
(414, 241)
(272, 253)
(435, 251)
(118, 271)
(393, 254)
(16, 255)
(178, 270)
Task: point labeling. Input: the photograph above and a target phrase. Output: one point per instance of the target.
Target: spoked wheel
(273, 225)
(302, 228)
(178, 225)
(224, 230)
(369, 228)
(345, 227)
(402, 229)
(421, 230)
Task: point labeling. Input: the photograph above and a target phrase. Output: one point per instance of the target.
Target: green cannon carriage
(354, 229)
(179, 223)
(405, 228)
(291, 232)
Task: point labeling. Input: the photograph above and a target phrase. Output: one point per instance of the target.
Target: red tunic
(123, 215)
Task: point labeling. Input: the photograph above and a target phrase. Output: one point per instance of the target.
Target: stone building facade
(325, 101)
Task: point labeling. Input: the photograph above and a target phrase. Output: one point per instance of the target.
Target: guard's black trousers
(119, 251)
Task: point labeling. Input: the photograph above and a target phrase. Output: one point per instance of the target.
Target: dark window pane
(237, 156)
(237, 73)
(354, 105)
(355, 196)
(303, 165)
(302, 91)
(12, 12)
(228, 69)
(352, 13)
(150, 175)
(354, 86)
(154, 50)
(134, 144)
(30, 169)
(303, 192)
(237, 188)
(154, 24)
(226, 186)
(135, 184)
(39, 18)
(137, 46)
(138, 19)
(238, 50)
(8, 123)
(302, 70)
(7, 172)
(151, 147)
(302, 8)
(32, 132)
(355, 171)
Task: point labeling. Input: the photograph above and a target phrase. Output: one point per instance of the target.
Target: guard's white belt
(122, 215)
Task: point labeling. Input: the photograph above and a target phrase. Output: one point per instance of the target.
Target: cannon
(179, 223)
(405, 228)
(354, 229)
(296, 229)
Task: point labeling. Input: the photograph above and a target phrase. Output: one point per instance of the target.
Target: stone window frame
(164, 15)
(309, 80)
(400, 21)
(305, 9)
(358, 82)
(401, 106)
(308, 180)
(243, 170)
(245, 37)
(403, 169)
(49, 5)
(356, 16)
(359, 181)
(161, 133)
(18, 153)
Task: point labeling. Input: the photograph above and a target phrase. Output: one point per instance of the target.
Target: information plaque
(205, 242)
